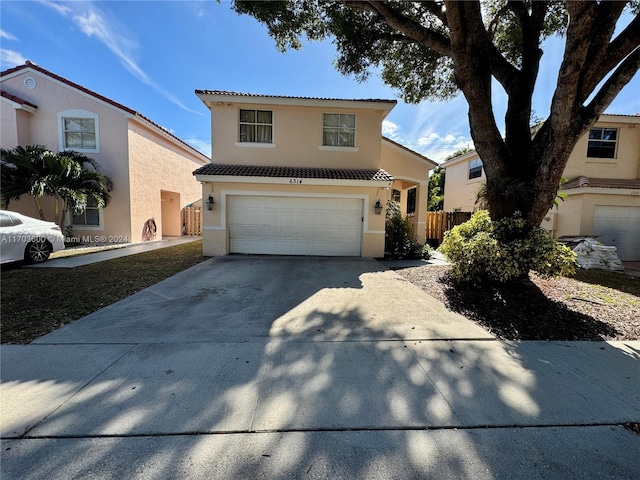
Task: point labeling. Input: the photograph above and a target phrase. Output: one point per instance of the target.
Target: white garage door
(620, 227)
(295, 225)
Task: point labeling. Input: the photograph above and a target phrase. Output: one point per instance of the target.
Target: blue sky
(152, 55)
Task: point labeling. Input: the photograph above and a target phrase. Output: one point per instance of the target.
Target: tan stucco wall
(158, 165)
(408, 172)
(14, 126)
(460, 192)
(214, 222)
(8, 125)
(297, 134)
(52, 97)
(575, 214)
(403, 165)
(625, 165)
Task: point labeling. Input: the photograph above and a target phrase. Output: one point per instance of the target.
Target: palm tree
(71, 178)
(22, 172)
(82, 182)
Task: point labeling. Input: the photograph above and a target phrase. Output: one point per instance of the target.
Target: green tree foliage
(434, 49)
(482, 250)
(71, 178)
(436, 183)
(435, 192)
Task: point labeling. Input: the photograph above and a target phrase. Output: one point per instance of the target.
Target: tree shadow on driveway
(325, 389)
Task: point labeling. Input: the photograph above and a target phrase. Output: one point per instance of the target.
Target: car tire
(38, 251)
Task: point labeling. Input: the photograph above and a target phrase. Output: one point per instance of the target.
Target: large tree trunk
(524, 173)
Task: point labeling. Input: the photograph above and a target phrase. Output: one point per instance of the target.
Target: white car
(26, 238)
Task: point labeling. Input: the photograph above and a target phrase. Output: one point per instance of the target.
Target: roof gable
(29, 66)
(430, 163)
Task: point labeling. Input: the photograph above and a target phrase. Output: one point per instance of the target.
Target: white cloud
(389, 129)
(57, 6)
(93, 22)
(438, 147)
(6, 35)
(9, 58)
(203, 146)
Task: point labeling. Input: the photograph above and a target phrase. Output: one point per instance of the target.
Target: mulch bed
(593, 305)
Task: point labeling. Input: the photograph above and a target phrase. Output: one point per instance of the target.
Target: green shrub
(481, 250)
(397, 241)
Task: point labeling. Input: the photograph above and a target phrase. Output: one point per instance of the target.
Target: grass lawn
(36, 301)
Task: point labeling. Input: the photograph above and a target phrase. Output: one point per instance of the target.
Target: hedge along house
(602, 189)
(302, 175)
(151, 168)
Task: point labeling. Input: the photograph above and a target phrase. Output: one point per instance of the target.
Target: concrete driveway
(283, 367)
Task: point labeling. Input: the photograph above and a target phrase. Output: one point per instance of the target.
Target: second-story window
(339, 130)
(602, 143)
(256, 126)
(79, 130)
(475, 168)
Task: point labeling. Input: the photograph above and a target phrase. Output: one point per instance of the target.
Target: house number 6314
(295, 181)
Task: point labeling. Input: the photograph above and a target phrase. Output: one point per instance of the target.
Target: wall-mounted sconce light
(210, 202)
(377, 207)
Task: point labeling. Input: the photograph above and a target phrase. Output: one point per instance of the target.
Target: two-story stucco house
(151, 169)
(303, 176)
(602, 188)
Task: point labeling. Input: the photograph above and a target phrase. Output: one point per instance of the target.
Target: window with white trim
(256, 126)
(339, 130)
(90, 217)
(79, 130)
(475, 168)
(602, 142)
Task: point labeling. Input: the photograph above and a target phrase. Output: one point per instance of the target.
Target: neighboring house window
(339, 130)
(79, 130)
(602, 143)
(90, 217)
(475, 168)
(395, 195)
(256, 126)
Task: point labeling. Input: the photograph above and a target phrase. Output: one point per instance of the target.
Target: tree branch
(612, 87)
(470, 46)
(405, 25)
(610, 54)
(564, 106)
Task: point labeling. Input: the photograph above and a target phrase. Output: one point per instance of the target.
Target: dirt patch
(593, 305)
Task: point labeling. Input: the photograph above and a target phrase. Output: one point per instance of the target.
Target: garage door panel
(295, 225)
(619, 226)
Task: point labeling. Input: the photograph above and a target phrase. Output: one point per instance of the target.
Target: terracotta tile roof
(583, 182)
(241, 94)
(17, 99)
(219, 169)
(120, 106)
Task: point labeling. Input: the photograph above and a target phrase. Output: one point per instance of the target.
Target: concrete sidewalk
(89, 258)
(246, 367)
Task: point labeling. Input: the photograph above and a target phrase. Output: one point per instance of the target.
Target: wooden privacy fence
(440, 222)
(192, 221)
